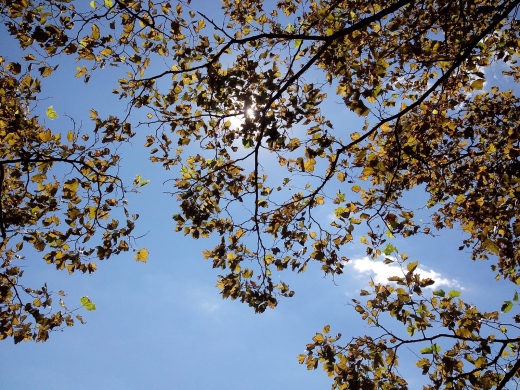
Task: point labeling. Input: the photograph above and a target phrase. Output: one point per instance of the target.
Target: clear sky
(163, 325)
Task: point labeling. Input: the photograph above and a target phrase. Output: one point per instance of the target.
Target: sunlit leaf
(477, 84)
(389, 249)
(454, 293)
(412, 266)
(142, 255)
(87, 303)
(507, 306)
(51, 113)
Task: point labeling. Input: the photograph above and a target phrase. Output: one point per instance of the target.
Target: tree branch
(509, 375)
(2, 226)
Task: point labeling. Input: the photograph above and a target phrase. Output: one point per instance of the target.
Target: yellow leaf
(367, 171)
(268, 259)
(142, 255)
(313, 235)
(412, 266)
(385, 126)
(39, 177)
(491, 246)
(341, 90)
(106, 51)
(477, 84)
(46, 136)
(92, 212)
(51, 113)
(95, 31)
(309, 165)
(71, 136)
(71, 186)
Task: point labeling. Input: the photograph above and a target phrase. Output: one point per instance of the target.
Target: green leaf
(138, 179)
(428, 350)
(439, 293)
(454, 294)
(247, 143)
(389, 249)
(51, 113)
(108, 3)
(515, 298)
(507, 306)
(87, 303)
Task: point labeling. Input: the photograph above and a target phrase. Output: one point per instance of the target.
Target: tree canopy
(240, 110)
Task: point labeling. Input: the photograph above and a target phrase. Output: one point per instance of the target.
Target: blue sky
(163, 324)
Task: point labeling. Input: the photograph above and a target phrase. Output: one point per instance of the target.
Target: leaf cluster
(56, 194)
(232, 98)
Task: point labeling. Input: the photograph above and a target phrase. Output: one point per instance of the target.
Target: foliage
(252, 90)
(56, 217)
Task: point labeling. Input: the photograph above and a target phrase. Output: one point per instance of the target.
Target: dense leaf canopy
(241, 111)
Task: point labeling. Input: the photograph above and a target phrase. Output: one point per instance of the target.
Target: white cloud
(380, 272)
(204, 299)
(208, 307)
